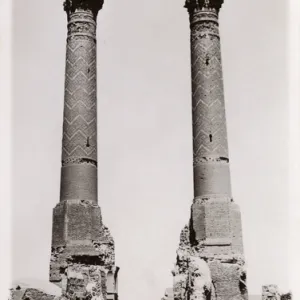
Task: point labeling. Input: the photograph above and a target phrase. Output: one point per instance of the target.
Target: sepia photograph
(151, 150)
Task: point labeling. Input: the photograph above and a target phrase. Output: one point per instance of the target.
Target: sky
(145, 134)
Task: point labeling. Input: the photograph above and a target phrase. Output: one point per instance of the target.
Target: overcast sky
(145, 134)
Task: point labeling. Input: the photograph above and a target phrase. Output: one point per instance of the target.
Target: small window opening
(88, 142)
(88, 70)
(207, 61)
(210, 137)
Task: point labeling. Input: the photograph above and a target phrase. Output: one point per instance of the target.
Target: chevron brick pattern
(209, 121)
(80, 108)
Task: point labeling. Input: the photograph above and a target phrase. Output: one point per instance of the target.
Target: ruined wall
(203, 272)
(270, 292)
(19, 293)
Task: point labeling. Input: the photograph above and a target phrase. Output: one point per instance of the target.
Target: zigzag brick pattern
(210, 263)
(209, 121)
(80, 119)
(82, 253)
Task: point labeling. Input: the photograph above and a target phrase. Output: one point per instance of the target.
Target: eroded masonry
(210, 261)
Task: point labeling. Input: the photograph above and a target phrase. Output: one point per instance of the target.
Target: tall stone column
(82, 255)
(212, 190)
(210, 260)
(210, 147)
(79, 145)
(215, 219)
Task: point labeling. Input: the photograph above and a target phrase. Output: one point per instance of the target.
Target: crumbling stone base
(207, 270)
(270, 292)
(83, 251)
(84, 282)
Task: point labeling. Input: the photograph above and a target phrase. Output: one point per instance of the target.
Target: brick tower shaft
(79, 145)
(210, 147)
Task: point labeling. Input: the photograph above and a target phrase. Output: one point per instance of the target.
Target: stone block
(216, 223)
(85, 240)
(211, 220)
(226, 280)
(76, 220)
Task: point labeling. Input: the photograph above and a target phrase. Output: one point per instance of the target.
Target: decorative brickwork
(82, 254)
(210, 147)
(210, 262)
(79, 145)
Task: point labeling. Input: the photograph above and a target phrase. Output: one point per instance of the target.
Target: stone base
(216, 225)
(79, 237)
(82, 255)
(210, 262)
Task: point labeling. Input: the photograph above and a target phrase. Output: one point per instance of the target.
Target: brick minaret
(82, 256)
(210, 261)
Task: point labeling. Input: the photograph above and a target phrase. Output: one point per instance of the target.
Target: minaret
(82, 255)
(210, 261)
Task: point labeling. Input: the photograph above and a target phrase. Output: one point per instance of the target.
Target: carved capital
(192, 5)
(94, 6)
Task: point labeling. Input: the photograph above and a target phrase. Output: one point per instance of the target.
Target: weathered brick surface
(98, 251)
(79, 182)
(217, 219)
(226, 278)
(217, 222)
(211, 220)
(74, 221)
(210, 146)
(212, 178)
(236, 229)
(82, 254)
(212, 243)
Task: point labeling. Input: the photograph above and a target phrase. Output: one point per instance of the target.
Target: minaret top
(199, 4)
(71, 6)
